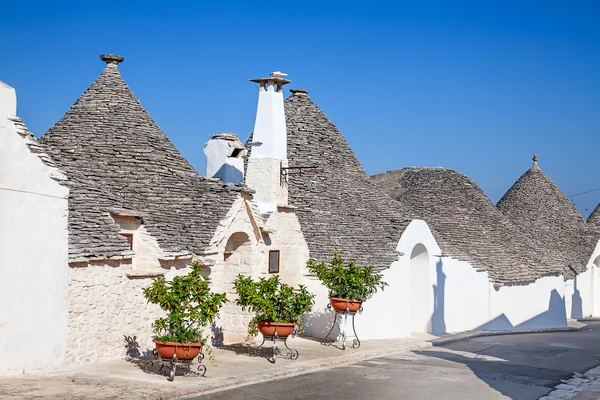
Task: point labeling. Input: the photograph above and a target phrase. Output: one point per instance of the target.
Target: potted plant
(277, 306)
(190, 307)
(349, 285)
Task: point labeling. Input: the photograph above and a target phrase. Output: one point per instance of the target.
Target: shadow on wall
(428, 294)
(179, 265)
(132, 348)
(576, 302)
(217, 338)
(547, 319)
(318, 323)
(438, 323)
(228, 173)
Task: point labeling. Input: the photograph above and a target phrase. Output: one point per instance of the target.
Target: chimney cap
(225, 136)
(299, 92)
(275, 79)
(111, 58)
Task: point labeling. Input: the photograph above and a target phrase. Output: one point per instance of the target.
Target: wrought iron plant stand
(291, 353)
(168, 366)
(344, 336)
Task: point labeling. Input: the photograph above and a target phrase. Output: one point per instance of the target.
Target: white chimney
(224, 157)
(269, 145)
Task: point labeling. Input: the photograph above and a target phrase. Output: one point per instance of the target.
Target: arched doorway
(421, 290)
(240, 258)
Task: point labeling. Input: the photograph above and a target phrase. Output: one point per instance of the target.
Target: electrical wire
(587, 191)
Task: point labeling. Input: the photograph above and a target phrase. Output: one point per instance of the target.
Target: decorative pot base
(342, 304)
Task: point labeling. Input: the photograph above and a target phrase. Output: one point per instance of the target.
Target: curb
(444, 341)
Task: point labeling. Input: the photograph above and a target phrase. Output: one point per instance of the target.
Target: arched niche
(421, 289)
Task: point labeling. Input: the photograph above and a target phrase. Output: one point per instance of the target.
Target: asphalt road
(500, 367)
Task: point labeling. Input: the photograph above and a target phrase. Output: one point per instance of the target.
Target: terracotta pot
(340, 304)
(184, 351)
(284, 329)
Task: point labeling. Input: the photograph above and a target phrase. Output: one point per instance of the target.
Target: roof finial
(535, 160)
(111, 58)
(299, 92)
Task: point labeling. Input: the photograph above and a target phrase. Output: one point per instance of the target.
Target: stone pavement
(584, 386)
(121, 379)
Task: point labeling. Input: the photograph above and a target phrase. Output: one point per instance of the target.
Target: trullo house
(103, 202)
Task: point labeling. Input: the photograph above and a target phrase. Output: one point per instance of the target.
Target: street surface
(500, 367)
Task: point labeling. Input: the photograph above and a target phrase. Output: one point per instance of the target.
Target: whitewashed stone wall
(264, 176)
(582, 294)
(33, 251)
(287, 237)
(106, 303)
(594, 265)
(242, 257)
(147, 250)
(458, 298)
(241, 246)
(106, 306)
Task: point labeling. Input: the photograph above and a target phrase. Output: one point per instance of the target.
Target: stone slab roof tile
(594, 219)
(466, 224)
(537, 205)
(340, 209)
(120, 158)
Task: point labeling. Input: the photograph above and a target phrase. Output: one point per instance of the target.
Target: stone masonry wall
(241, 251)
(106, 306)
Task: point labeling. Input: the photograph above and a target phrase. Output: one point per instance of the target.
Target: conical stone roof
(465, 223)
(339, 209)
(116, 156)
(594, 219)
(541, 209)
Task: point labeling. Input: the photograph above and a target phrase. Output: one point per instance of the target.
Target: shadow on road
(516, 381)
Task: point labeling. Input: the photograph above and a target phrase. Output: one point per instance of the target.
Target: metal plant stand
(168, 366)
(291, 353)
(345, 314)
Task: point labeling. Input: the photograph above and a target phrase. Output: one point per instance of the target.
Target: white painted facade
(429, 293)
(582, 301)
(33, 251)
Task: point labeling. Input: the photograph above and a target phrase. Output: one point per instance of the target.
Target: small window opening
(236, 153)
(129, 237)
(274, 261)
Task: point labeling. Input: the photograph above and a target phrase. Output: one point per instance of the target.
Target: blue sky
(476, 86)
